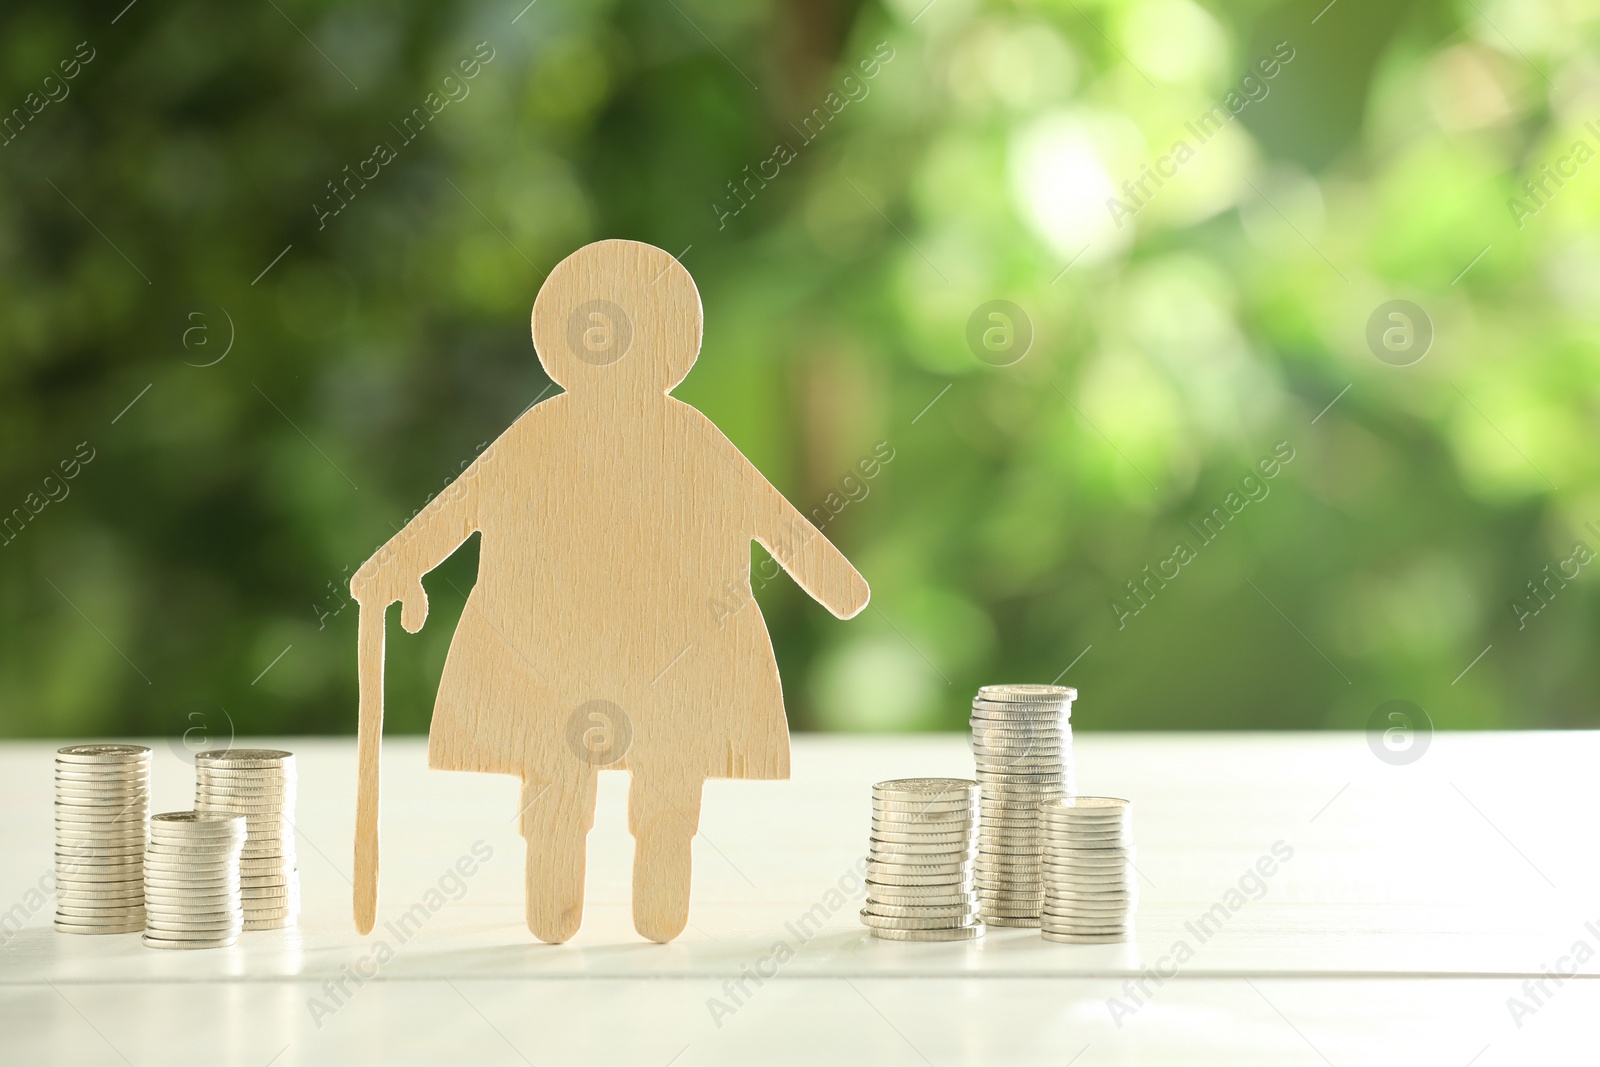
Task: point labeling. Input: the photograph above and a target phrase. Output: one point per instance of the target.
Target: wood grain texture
(612, 625)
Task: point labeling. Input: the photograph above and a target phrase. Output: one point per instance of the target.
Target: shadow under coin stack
(1089, 887)
(258, 783)
(191, 880)
(919, 870)
(102, 807)
(1022, 744)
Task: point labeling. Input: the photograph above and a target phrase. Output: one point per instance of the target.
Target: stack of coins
(102, 809)
(1022, 743)
(1089, 885)
(191, 880)
(258, 783)
(919, 869)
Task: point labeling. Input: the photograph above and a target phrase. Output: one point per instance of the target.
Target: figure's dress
(577, 610)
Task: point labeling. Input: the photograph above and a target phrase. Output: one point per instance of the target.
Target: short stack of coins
(191, 880)
(258, 783)
(1089, 886)
(1022, 744)
(102, 812)
(919, 869)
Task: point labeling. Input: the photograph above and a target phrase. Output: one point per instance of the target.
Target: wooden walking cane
(369, 627)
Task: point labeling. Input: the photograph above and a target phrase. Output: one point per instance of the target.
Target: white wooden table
(1417, 902)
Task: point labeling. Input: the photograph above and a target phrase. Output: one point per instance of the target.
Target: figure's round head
(617, 316)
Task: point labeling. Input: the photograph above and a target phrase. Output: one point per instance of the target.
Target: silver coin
(1084, 939)
(1126, 898)
(917, 911)
(1026, 752)
(960, 933)
(279, 923)
(1042, 717)
(67, 927)
(248, 868)
(197, 927)
(931, 810)
(194, 821)
(180, 909)
(169, 853)
(248, 883)
(988, 767)
(240, 805)
(270, 909)
(99, 875)
(1013, 921)
(265, 787)
(1043, 709)
(1086, 874)
(1090, 804)
(208, 838)
(923, 788)
(115, 915)
(1118, 933)
(101, 772)
(911, 829)
(1006, 739)
(1061, 811)
(955, 869)
(67, 839)
(115, 799)
(1005, 733)
(109, 818)
(100, 891)
(1065, 889)
(1094, 852)
(956, 837)
(957, 878)
(1099, 840)
(112, 915)
(958, 844)
(153, 941)
(241, 757)
(175, 909)
(97, 754)
(89, 853)
(897, 923)
(966, 900)
(168, 917)
(214, 887)
(875, 887)
(1027, 691)
(239, 789)
(1086, 916)
(1084, 908)
(1016, 891)
(1021, 787)
(1029, 752)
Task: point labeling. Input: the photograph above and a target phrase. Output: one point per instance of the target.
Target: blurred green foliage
(167, 201)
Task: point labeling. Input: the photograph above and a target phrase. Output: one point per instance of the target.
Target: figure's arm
(395, 571)
(798, 546)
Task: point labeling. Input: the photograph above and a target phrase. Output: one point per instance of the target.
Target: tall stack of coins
(919, 869)
(258, 783)
(1089, 887)
(102, 808)
(1022, 743)
(191, 880)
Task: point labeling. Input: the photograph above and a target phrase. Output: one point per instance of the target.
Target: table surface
(1418, 919)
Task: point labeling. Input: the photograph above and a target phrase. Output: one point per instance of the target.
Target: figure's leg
(663, 816)
(556, 818)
